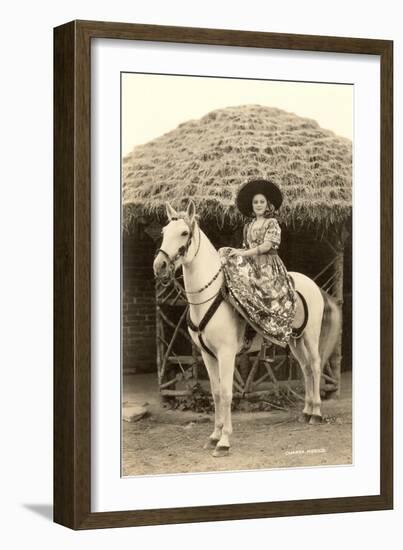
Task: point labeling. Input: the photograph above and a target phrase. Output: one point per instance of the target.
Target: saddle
(250, 332)
(298, 331)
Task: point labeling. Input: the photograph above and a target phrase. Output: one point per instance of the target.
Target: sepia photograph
(236, 285)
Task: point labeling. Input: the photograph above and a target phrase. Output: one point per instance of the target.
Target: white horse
(184, 244)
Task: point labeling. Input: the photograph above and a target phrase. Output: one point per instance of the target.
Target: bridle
(182, 251)
(217, 298)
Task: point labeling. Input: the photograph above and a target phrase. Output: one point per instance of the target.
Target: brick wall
(139, 353)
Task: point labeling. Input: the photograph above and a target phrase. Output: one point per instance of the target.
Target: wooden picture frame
(72, 272)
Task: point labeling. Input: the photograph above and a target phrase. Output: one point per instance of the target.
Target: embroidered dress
(259, 287)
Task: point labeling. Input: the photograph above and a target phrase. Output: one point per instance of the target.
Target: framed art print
(223, 275)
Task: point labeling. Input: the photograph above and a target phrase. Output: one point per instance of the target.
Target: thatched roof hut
(208, 159)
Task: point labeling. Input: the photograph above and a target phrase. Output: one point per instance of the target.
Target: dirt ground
(171, 441)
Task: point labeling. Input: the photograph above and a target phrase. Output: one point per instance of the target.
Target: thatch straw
(208, 159)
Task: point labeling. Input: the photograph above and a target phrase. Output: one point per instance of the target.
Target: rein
(182, 290)
(206, 285)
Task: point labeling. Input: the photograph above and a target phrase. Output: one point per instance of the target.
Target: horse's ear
(171, 213)
(191, 211)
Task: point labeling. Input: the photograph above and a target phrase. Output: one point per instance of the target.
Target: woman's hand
(249, 252)
(236, 252)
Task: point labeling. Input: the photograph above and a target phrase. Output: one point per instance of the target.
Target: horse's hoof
(304, 418)
(315, 419)
(210, 443)
(220, 452)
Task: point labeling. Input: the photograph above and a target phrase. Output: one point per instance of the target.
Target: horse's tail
(330, 329)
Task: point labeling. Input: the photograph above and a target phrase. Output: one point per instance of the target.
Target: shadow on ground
(43, 510)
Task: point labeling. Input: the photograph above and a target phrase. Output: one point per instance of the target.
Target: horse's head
(177, 242)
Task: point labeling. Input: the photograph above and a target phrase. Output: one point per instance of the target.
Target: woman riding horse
(215, 325)
(260, 287)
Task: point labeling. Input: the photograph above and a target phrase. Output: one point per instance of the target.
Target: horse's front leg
(226, 365)
(213, 373)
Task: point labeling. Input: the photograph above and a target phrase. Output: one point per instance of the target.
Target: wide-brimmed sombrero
(251, 188)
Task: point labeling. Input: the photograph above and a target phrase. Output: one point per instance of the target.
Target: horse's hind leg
(213, 373)
(226, 363)
(301, 355)
(312, 346)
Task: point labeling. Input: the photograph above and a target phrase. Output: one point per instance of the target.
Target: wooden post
(335, 360)
(337, 244)
(160, 344)
(158, 335)
(170, 344)
(195, 363)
